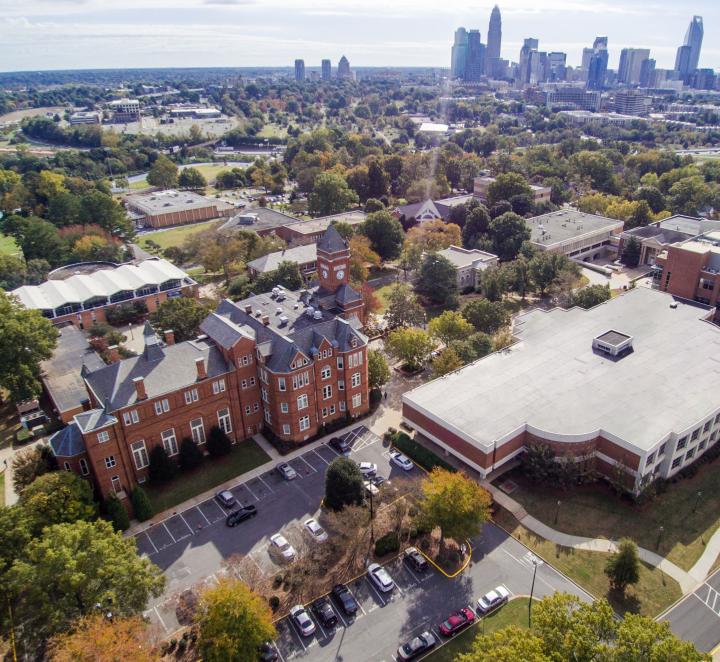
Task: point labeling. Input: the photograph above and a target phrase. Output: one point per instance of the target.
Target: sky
(90, 34)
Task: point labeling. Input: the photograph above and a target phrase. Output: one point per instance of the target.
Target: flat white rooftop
(554, 381)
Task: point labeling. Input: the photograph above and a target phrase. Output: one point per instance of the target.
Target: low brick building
(290, 362)
(624, 388)
(161, 209)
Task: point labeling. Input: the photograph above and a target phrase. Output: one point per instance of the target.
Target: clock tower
(333, 261)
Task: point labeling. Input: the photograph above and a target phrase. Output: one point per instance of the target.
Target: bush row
(419, 454)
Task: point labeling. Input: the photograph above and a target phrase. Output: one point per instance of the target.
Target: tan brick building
(290, 362)
(162, 209)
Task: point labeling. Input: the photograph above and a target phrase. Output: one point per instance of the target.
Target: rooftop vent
(283, 320)
(266, 320)
(248, 308)
(613, 343)
(317, 315)
(309, 311)
(258, 313)
(279, 310)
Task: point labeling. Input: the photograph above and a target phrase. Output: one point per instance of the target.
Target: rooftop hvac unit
(317, 315)
(309, 311)
(258, 313)
(279, 311)
(283, 320)
(296, 306)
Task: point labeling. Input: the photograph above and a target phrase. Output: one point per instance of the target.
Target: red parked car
(457, 621)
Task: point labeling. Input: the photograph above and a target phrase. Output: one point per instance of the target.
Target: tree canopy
(183, 315)
(343, 484)
(385, 234)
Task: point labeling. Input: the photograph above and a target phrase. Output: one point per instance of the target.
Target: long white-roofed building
(83, 293)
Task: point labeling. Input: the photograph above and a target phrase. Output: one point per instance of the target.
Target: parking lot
(696, 617)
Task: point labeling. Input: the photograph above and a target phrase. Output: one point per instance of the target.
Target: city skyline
(170, 33)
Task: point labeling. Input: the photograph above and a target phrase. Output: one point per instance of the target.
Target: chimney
(266, 320)
(113, 353)
(169, 337)
(201, 369)
(248, 308)
(140, 388)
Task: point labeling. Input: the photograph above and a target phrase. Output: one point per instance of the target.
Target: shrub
(116, 513)
(424, 457)
(387, 544)
(161, 468)
(141, 504)
(190, 455)
(375, 397)
(218, 443)
(343, 484)
(274, 602)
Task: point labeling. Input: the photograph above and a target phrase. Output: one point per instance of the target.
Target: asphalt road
(191, 545)
(696, 617)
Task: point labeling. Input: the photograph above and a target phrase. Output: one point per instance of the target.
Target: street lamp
(557, 511)
(532, 589)
(697, 501)
(372, 516)
(660, 535)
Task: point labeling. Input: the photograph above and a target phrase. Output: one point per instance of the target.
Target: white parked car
(279, 542)
(400, 460)
(492, 600)
(302, 620)
(367, 469)
(317, 533)
(380, 577)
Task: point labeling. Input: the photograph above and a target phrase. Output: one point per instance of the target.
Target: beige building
(481, 185)
(161, 209)
(469, 264)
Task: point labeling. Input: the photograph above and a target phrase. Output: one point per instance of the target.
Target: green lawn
(514, 612)
(2, 489)
(8, 245)
(595, 511)
(654, 592)
(174, 236)
(382, 294)
(273, 131)
(245, 456)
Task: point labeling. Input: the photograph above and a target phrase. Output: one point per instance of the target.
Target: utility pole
(532, 589)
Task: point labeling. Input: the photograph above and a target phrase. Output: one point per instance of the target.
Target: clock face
(340, 273)
(324, 273)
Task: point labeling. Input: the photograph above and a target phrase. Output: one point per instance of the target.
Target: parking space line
(320, 456)
(412, 573)
(215, 503)
(319, 624)
(306, 462)
(376, 592)
(357, 601)
(147, 535)
(192, 533)
(251, 492)
(705, 603)
(297, 633)
(160, 618)
(272, 491)
(341, 617)
(277, 650)
(168, 530)
(203, 514)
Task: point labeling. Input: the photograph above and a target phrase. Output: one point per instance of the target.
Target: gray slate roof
(304, 254)
(94, 419)
(331, 241)
(67, 442)
(224, 331)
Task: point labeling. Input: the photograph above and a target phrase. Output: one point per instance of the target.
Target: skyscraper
(494, 42)
(343, 70)
(529, 45)
(556, 63)
(646, 71)
(475, 61)
(694, 39)
(631, 60)
(299, 70)
(682, 60)
(459, 54)
(326, 69)
(595, 61)
(600, 43)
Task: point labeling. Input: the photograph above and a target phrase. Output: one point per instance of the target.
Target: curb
(457, 572)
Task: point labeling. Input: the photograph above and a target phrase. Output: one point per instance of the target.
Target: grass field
(8, 245)
(596, 512)
(244, 456)
(382, 294)
(174, 236)
(208, 171)
(514, 612)
(273, 131)
(648, 597)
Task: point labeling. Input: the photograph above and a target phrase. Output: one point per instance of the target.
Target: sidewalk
(687, 580)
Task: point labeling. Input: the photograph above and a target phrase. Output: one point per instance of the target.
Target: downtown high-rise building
(343, 70)
(556, 66)
(326, 68)
(299, 70)
(458, 56)
(595, 63)
(475, 62)
(682, 61)
(494, 42)
(631, 64)
(530, 45)
(694, 39)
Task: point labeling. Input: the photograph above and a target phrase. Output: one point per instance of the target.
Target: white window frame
(169, 442)
(304, 423)
(243, 383)
(327, 391)
(116, 484)
(356, 400)
(247, 410)
(110, 462)
(302, 402)
(256, 406)
(103, 436)
(355, 380)
(84, 468)
(224, 421)
(162, 407)
(284, 408)
(191, 396)
(131, 417)
(252, 381)
(281, 384)
(326, 372)
(268, 417)
(324, 412)
(286, 428)
(341, 384)
(218, 386)
(139, 453)
(332, 409)
(197, 432)
(343, 406)
(340, 363)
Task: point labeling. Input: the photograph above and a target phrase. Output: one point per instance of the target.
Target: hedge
(421, 455)
(387, 544)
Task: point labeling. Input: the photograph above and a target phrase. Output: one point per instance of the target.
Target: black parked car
(267, 653)
(415, 559)
(345, 599)
(325, 613)
(340, 444)
(237, 516)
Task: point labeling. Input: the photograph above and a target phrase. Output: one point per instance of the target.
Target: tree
(507, 185)
(161, 468)
(287, 275)
(450, 325)
(12, 272)
(447, 361)
(73, 567)
(190, 455)
(163, 173)
(434, 236)
(182, 315)
(476, 226)
(55, 498)
(373, 205)
(233, 621)
(30, 463)
(26, 338)
(545, 268)
(493, 283)
(98, 208)
(361, 255)
(41, 240)
(690, 196)
(96, 638)
(343, 484)
(486, 316)
(385, 234)
(192, 178)
(218, 443)
(411, 346)
(508, 232)
(509, 644)
(403, 308)
(623, 567)
(631, 252)
(591, 296)
(141, 504)
(454, 503)
(438, 280)
(116, 513)
(642, 638)
(378, 370)
(330, 195)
